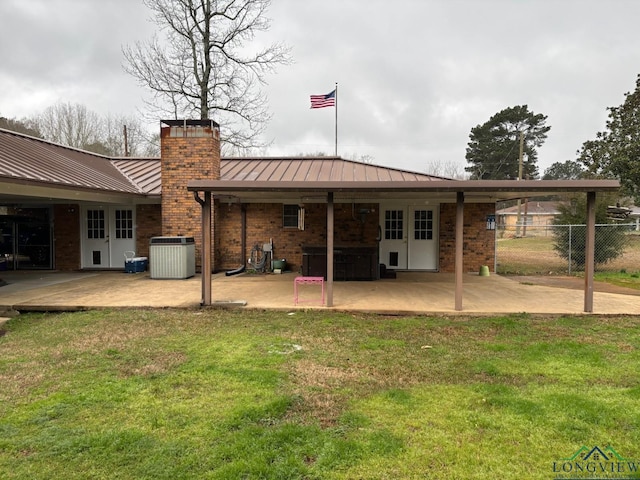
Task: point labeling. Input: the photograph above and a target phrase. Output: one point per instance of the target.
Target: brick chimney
(189, 150)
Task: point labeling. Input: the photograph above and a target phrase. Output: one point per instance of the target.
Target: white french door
(409, 237)
(107, 233)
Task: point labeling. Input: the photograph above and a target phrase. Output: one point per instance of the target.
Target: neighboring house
(541, 214)
(531, 212)
(531, 218)
(634, 217)
(66, 209)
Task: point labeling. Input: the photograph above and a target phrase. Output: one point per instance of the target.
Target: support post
(459, 248)
(519, 219)
(206, 249)
(589, 264)
(330, 227)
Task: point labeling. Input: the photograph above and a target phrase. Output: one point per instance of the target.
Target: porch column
(330, 249)
(459, 248)
(206, 249)
(589, 264)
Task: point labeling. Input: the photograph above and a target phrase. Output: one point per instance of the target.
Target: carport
(445, 191)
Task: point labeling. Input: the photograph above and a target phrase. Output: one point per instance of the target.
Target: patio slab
(409, 293)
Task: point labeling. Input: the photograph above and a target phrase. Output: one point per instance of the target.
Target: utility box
(172, 257)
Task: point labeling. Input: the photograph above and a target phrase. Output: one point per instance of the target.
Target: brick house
(533, 213)
(402, 233)
(83, 210)
(66, 209)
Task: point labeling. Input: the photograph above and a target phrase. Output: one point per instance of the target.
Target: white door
(107, 232)
(393, 241)
(95, 245)
(423, 239)
(122, 235)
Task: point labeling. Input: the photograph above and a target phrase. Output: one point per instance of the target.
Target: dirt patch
(573, 283)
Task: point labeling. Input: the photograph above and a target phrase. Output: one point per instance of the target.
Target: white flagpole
(336, 151)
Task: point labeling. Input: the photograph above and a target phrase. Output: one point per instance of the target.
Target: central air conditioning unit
(172, 257)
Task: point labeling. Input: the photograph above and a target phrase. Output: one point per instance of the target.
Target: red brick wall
(186, 154)
(264, 222)
(148, 224)
(227, 238)
(66, 234)
(479, 243)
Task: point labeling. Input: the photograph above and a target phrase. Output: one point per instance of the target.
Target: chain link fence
(559, 249)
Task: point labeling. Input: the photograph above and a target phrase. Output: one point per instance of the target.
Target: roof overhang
(478, 191)
(29, 191)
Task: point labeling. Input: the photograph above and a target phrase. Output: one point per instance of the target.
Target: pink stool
(307, 281)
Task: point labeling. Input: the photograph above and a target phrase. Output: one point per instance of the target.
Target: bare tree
(137, 142)
(450, 170)
(204, 66)
(76, 126)
(70, 124)
(362, 158)
(25, 126)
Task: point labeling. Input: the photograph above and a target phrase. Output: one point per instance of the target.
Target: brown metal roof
(313, 169)
(25, 159)
(31, 159)
(144, 173)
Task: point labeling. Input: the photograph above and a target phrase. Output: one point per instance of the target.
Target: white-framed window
(124, 223)
(393, 224)
(290, 216)
(423, 225)
(95, 224)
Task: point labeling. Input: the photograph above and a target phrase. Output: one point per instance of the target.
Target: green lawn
(621, 278)
(169, 394)
(535, 255)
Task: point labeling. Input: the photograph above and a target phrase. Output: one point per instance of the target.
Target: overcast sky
(414, 76)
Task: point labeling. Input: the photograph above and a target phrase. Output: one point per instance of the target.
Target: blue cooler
(133, 264)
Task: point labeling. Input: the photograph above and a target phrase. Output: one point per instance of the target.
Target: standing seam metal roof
(144, 173)
(312, 169)
(28, 158)
(33, 159)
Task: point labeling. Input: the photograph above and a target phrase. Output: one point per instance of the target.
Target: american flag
(321, 101)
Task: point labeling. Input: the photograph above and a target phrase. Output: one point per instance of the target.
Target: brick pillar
(190, 150)
(66, 233)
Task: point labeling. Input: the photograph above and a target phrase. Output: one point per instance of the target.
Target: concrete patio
(409, 293)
